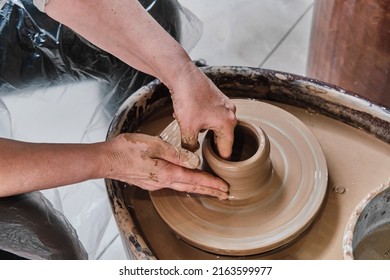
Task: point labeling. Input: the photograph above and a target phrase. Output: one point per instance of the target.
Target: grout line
(108, 245)
(285, 36)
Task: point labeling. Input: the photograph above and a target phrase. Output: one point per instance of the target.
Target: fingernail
(192, 160)
(223, 197)
(189, 143)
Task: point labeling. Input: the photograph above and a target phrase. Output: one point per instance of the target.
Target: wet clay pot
(353, 132)
(249, 168)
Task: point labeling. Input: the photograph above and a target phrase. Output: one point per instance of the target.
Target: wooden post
(350, 46)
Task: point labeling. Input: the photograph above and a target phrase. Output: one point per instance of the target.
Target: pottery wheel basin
(343, 153)
(276, 212)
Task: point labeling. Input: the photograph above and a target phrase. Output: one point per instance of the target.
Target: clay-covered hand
(151, 163)
(199, 105)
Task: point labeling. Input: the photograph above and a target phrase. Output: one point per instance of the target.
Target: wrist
(186, 77)
(104, 161)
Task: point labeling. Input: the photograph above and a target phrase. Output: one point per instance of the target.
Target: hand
(152, 164)
(199, 105)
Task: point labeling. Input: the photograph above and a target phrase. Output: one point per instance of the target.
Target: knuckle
(231, 118)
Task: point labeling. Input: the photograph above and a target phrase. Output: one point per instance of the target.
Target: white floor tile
(115, 251)
(242, 32)
(291, 54)
(111, 233)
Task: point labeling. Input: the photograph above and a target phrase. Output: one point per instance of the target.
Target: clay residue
(273, 216)
(358, 172)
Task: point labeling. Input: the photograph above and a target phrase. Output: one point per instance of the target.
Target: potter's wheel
(287, 207)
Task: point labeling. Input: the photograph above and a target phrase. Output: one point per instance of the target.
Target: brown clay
(353, 134)
(352, 158)
(259, 217)
(249, 170)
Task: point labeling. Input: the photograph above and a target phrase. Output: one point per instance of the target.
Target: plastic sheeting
(31, 228)
(57, 87)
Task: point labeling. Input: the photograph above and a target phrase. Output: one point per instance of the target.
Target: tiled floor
(271, 34)
(267, 34)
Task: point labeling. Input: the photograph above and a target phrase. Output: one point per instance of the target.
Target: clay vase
(249, 169)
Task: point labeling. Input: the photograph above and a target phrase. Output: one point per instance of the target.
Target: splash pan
(286, 207)
(354, 135)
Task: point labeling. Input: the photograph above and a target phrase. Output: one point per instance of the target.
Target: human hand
(152, 164)
(199, 105)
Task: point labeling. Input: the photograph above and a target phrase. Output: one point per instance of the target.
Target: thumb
(189, 140)
(177, 155)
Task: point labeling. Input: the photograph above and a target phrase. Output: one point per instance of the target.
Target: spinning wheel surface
(243, 227)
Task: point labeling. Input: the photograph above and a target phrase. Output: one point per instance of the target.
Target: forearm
(125, 29)
(26, 167)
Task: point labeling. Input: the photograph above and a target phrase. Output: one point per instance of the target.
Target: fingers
(223, 140)
(222, 124)
(151, 163)
(170, 169)
(190, 188)
(175, 155)
(192, 181)
(224, 137)
(168, 175)
(189, 140)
